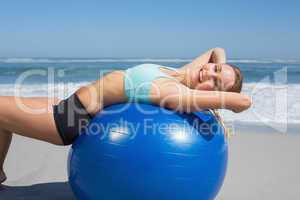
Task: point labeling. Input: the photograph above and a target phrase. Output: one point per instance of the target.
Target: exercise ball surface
(145, 152)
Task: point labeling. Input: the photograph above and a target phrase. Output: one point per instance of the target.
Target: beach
(263, 159)
(261, 165)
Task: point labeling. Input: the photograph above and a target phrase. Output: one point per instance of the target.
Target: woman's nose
(211, 74)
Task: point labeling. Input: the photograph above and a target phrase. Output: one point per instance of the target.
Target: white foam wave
(59, 90)
(24, 60)
(272, 104)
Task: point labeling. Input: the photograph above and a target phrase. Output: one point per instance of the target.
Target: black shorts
(71, 118)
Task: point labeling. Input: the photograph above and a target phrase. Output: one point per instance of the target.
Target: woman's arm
(184, 99)
(216, 55)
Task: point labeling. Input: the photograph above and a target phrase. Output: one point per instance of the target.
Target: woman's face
(213, 76)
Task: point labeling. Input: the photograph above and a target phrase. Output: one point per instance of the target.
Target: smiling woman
(187, 89)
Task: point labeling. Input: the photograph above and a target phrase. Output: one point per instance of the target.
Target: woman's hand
(218, 56)
(215, 55)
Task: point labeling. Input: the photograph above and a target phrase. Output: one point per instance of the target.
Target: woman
(206, 82)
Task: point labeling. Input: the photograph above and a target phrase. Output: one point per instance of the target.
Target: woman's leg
(29, 117)
(5, 139)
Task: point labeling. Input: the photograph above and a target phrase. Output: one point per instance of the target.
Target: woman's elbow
(247, 102)
(243, 104)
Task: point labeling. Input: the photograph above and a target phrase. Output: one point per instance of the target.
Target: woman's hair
(238, 82)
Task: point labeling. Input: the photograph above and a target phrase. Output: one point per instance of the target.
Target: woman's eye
(218, 68)
(215, 82)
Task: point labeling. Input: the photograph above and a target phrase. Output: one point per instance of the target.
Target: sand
(261, 166)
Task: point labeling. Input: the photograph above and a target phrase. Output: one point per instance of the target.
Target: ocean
(274, 85)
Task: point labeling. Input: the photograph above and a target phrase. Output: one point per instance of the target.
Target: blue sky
(246, 29)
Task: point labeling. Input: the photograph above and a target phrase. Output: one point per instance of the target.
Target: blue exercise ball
(145, 152)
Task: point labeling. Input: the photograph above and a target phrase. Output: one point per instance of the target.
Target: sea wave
(262, 61)
(59, 90)
(96, 60)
